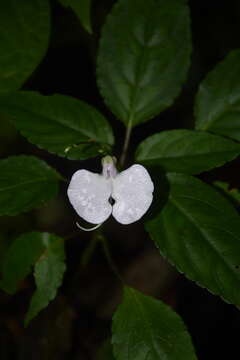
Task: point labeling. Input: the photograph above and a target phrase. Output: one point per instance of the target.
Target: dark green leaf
(217, 106)
(19, 259)
(186, 151)
(147, 329)
(48, 273)
(24, 35)
(25, 182)
(231, 193)
(87, 150)
(82, 8)
(143, 57)
(59, 124)
(198, 230)
(105, 352)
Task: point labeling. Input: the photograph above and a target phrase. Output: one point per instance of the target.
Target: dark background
(78, 321)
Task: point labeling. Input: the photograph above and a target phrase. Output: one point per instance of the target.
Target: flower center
(109, 170)
(111, 201)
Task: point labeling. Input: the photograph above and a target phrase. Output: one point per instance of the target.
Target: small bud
(108, 167)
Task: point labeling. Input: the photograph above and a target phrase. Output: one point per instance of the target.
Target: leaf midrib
(41, 180)
(136, 87)
(188, 156)
(209, 124)
(52, 119)
(148, 325)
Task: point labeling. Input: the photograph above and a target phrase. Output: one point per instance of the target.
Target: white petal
(89, 194)
(132, 191)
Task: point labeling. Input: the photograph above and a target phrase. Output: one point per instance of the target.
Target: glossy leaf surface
(147, 329)
(19, 259)
(26, 182)
(48, 273)
(198, 231)
(231, 193)
(186, 151)
(24, 35)
(58, 123)
(217, 106)
(143, 57)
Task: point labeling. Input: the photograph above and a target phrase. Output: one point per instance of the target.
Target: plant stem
(109, 256)
(126, 143)
(88, 252)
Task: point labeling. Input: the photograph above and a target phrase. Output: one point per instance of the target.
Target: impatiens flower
(126, 195)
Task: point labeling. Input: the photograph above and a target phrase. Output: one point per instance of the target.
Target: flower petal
(132, 191)
(89, 194)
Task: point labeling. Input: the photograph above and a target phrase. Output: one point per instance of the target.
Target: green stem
(88, 252)
(109, 256)
(126, 143)
(86, 256)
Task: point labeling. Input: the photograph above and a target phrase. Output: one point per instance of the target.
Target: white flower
(92, 194)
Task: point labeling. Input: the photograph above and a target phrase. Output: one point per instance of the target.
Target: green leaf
(25, 183)
(19, 259)
(48, 273)
(198, 231)
(217, 106)
(82, 8)
(143, 57)
(58, 123)
(147, 329)
(231, 193)
(24, 35)
(105, 352)
(186, 151)
(46, 252)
